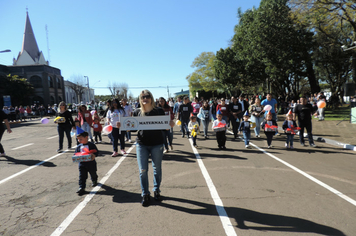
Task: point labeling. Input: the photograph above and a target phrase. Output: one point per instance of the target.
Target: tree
(113, 87)
(335, 19)
(203, 78)
(77, 85)
(332, 65)
(19, 89)
(273, 47)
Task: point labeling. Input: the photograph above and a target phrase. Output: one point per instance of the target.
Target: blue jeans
(86, 127)
(168, 134)
(290, 139)
(128, 135)
(143, 154)
(247, 136)
(184, 125)
(64, 129)
(205, 126)
(258, 121)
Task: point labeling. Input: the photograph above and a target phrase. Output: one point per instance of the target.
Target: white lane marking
(53, 137)
(225, 220)
(22, 146)
(315, 180)
(31, 167)
(60, 229)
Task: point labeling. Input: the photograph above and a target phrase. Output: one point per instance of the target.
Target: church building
(47, 81)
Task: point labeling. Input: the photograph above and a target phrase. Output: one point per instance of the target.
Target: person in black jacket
(269, 133)
(65, 124)
(150, 144)
(86, 166)
(3, 117)
(304, 111)
(289, 123)
(184, 111)
(235, 109)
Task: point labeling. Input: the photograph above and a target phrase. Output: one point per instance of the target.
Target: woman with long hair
(86, 120)
(64, 125)
(168, 133)
(257, 116)
(149, 144)
(113, 117)
(205, 116)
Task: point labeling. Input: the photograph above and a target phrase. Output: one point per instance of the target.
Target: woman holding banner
(149, 143)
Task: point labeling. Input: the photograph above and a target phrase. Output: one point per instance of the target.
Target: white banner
(144, 122)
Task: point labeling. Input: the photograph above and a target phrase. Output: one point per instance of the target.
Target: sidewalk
(338, 134)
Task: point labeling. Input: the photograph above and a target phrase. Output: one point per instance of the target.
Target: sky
(144, 44)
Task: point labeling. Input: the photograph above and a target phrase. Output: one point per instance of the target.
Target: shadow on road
(268, 222)
(28, 162)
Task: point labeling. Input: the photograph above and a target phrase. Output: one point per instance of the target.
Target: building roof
(30, 54)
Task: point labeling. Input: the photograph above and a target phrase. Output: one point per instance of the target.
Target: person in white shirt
(128, 112)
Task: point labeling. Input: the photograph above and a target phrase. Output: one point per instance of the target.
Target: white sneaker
(269, 147)
(247, 146)
(123, 152)
(130, 141)
(165, 151)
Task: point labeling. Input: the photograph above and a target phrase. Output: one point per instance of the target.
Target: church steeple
(30, 54)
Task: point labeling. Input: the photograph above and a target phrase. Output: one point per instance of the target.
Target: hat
(191, 115)
(289, 113)
(246, 113)
(79, 130)
(269, 112)
(219, 112)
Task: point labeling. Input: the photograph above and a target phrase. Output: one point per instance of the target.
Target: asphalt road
(207, 191)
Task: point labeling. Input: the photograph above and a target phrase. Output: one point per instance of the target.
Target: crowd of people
(238, 114)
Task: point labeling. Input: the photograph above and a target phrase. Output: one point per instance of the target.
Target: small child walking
(289, 123)
(97, 130)
(245, 128)
(219, 127)
(193, 127)
(269, 132)
(88, 166)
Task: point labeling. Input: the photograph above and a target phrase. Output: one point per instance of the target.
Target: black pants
(308, 126)
(64, 128)
(235, 125)
(84, 168)
(269, 136)
(221, 138)
(97, 134)
(2, 130)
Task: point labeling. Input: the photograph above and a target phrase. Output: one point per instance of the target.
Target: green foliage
(203, 78)
(19, 89)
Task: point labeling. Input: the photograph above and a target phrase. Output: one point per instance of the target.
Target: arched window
(50, 82)
(52, 100)
(37, 100)
(36, 81)
(58, 83)
(60, 99)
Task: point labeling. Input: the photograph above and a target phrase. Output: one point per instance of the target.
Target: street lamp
(87, 80)
(7, 50)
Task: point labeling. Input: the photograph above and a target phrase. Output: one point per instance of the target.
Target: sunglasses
(145, 97)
